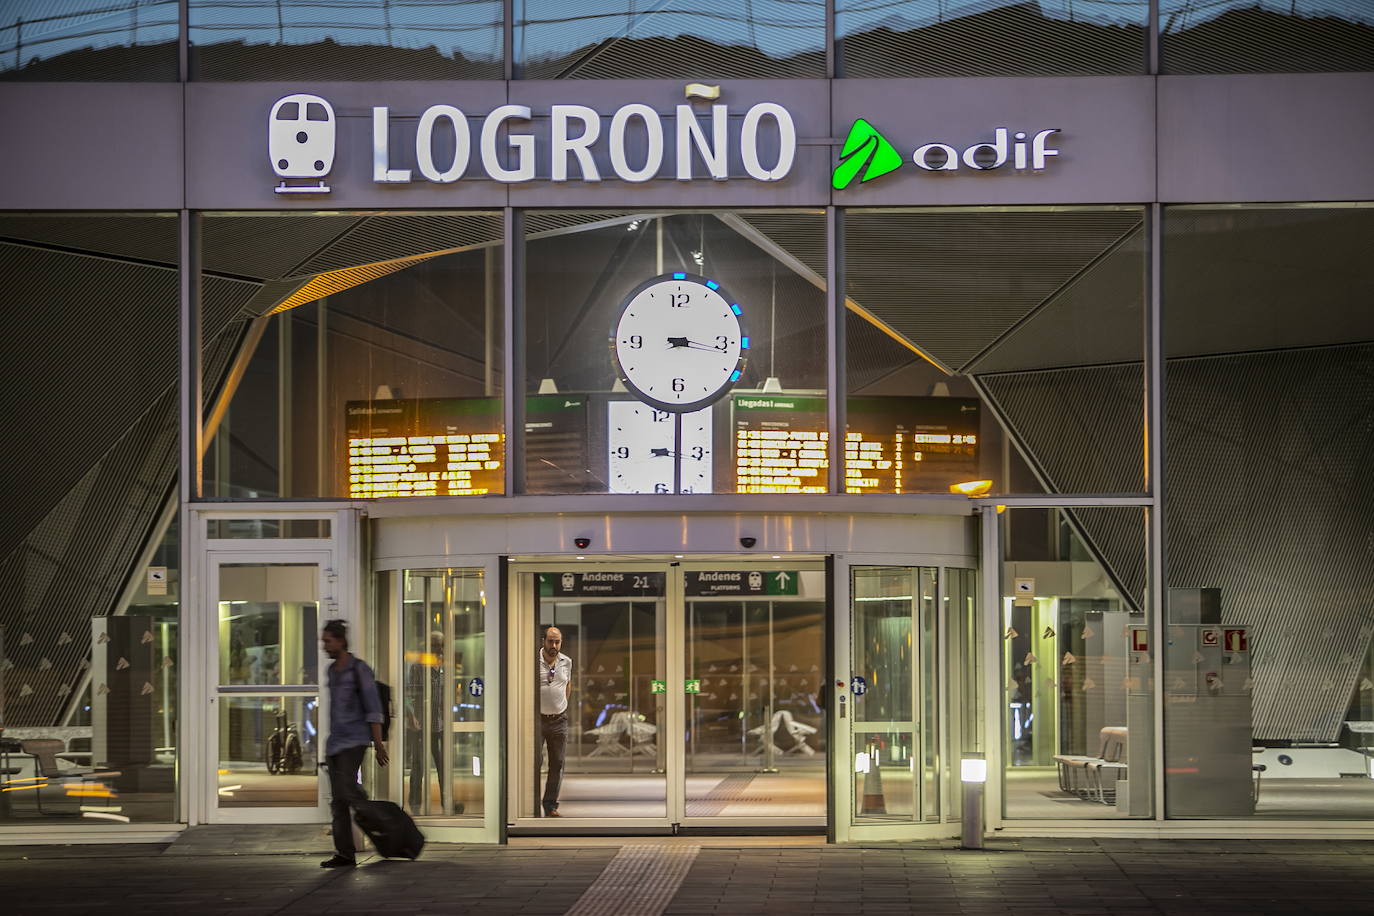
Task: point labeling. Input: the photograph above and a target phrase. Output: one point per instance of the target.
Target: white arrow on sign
(783, 579)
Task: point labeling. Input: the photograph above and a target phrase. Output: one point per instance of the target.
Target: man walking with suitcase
(355, 720)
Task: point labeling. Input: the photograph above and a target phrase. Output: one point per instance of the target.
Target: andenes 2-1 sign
(302, 133)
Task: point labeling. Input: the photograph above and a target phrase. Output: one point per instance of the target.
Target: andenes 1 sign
(634, 144)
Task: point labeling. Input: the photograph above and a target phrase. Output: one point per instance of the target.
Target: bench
(1083, 775)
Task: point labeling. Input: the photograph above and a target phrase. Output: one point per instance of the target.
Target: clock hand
(663, 453)
(676, 343)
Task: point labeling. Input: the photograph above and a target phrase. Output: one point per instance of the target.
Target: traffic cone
(874, 803)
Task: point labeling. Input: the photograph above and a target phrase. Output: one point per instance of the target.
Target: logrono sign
(302, 132)
(303, 129)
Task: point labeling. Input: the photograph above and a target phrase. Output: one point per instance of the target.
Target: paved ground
(242, 874)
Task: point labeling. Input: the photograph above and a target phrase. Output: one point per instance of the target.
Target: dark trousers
(554, 731)
(419, 767)
(345, 791)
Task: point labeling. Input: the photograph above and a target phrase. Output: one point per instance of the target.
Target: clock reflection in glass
(679, 347)
(643, 450)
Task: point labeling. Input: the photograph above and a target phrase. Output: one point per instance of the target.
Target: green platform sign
(724, 582)
(658, 686)
(691, 685)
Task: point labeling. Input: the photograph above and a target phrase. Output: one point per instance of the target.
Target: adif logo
(300, 142)
(867, 151)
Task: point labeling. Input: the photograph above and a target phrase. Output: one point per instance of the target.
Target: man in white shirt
(555, 686)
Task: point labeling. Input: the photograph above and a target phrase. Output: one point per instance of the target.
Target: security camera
(582, 543)
(747, 542)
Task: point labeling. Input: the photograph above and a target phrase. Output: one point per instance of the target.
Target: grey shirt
(353, 706)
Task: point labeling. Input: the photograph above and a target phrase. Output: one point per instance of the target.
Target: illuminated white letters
(381, 163)
(424, 144)
(749, 147)
(1000, 149)
(560, 144)
(653, 129)
(715, 154)
(522, 144)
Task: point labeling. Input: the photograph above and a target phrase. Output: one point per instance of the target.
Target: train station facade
(872, 398)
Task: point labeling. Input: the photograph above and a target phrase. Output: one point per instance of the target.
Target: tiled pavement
(1026, 878)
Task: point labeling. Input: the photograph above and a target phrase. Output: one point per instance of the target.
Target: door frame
(439, 828)
(339, 593)
(520, 741)
(845, 829)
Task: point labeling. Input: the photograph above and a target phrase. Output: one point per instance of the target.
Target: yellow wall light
(971, 488)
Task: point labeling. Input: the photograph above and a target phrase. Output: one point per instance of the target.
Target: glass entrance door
(694, 696)
(265, 721)
(910, 705)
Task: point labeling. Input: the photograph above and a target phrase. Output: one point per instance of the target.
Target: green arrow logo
(864, 150)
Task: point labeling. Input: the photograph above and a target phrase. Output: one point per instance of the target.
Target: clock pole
(677, 452)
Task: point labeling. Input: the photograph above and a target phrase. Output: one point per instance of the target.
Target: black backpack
(384, 694)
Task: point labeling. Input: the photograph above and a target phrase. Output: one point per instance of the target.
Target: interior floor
(1035, 793)
(793, 793)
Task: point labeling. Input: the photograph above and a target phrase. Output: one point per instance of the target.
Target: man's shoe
(338, 862)
(552, 814)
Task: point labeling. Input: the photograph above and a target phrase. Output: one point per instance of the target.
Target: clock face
(642, 450)
(678, 343)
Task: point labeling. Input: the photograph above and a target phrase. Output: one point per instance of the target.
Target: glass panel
(1078, 720)
(711, 39)
(1269, 680)
(444, 704)
(594, 423)
(755, 669)
(390, 385)
(1265, 36)
(969, 366)
(345, 40)
(882, 38)
(268, 630)
(615, 760)
(894, 701)
(87, 40)
(966, 660)
(255, 528)
(268, 752)
(107, 707)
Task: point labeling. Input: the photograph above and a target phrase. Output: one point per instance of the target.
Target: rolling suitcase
(390, 829)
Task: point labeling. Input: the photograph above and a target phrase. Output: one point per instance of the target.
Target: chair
(44, 751)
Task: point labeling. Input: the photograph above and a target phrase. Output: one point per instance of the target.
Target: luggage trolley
(300, 141)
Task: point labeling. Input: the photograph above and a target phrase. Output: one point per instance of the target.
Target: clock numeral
(698, 452)
(661, 415)
(636, 341)
(679, 300)
(722, 343)
(660, 488)
(679, 384)
(622, 452)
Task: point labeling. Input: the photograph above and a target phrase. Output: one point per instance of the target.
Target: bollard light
(973, 773)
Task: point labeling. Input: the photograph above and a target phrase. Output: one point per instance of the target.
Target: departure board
(454, 446)
(893, 444)
(425, 447)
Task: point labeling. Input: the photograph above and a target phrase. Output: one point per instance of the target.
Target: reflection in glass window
(371, 358)
(345, 39)
(601, 418)
(1077, 699)
(670, 39)
(882, 38)
(1270, 496)
(51, 40)
(998, 349)
(1265, 36)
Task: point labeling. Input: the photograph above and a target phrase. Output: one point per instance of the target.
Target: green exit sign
(691, 685)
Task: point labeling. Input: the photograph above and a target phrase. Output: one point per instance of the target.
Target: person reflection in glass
(425, 702)
(555, 686)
